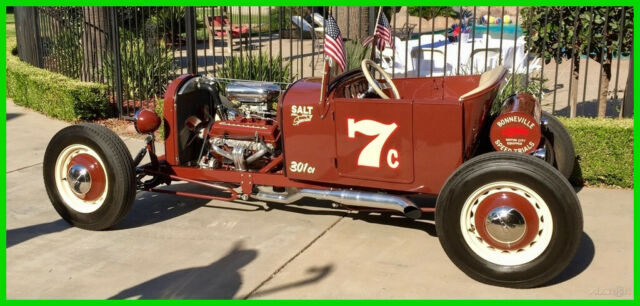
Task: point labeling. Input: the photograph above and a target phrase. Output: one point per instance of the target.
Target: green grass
(605, 150)
(255, 19)
(11, 26)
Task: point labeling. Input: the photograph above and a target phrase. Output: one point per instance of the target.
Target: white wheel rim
(500, 256)
(70, 198)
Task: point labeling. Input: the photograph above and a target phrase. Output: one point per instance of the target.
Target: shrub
(518, 84)
(356, 52)
(65, 51)
(169, 20)
(257, 68)
(430, 12)
(54, 94)
(63, 47)
(280, 19)
(146, 67)
(605, 150)
(160, 111)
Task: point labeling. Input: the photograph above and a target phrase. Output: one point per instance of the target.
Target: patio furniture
(431, 38)
(301, 23)
(484, 59)
(406, 55)
(222, 28)
(401, 59)
(404, 32)
(416, 57)
(318, 19)
(316, 34)
(433, 63)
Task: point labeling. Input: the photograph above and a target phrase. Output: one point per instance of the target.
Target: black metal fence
(136, 51)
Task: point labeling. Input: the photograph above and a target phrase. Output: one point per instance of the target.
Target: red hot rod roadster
(505, 212)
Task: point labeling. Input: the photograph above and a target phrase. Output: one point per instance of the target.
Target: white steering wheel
(366, 64)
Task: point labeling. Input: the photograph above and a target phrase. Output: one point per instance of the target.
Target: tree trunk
(353, 21)
(94, 44)
(574, 88)
(627, 105)
(604, 87)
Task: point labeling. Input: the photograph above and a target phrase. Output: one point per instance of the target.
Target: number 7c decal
(371, 153)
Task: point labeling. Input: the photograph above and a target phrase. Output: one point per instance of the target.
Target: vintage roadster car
(505, 212)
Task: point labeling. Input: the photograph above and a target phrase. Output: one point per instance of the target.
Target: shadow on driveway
(580, 262)
(20, 235)
(316, 274)
(150, 208)
(219, 280)
(13, 116)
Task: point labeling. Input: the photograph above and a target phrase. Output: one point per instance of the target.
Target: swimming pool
(494, 31)
(510, 30)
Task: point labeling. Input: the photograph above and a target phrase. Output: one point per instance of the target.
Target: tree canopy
(562, 32)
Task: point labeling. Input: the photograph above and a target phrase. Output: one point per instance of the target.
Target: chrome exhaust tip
(412, 212)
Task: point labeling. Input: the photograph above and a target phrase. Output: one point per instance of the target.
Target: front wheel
(562, 153)
(508, 219)
(89, 176)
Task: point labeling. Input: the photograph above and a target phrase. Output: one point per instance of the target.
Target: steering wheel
(366, 64)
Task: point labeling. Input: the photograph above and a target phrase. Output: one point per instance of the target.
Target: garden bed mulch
(124, 128)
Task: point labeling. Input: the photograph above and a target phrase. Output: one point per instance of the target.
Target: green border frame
(3, 119)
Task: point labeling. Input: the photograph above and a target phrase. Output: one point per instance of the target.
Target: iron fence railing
(136, 51)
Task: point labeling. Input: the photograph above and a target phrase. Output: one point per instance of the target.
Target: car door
(374, 139)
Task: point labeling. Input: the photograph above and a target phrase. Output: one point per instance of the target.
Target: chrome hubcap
(79, 179)
(505, 224)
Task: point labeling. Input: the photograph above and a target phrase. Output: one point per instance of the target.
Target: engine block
(247, 129)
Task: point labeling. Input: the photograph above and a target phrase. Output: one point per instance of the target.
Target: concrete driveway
(171, 247)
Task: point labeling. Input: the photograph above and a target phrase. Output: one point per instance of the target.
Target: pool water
(494, 31)
(510, 30)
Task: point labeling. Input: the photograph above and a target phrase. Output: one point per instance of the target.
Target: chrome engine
(237, 154)
(243, 144)
(254, 99)
(248, 137)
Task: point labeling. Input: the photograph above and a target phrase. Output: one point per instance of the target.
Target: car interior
(354, 85)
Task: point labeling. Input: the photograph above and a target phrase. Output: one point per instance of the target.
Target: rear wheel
(89, 176)
(560, 146)
(509, 219)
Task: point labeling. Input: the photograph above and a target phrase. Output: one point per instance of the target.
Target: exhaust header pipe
(347, 197)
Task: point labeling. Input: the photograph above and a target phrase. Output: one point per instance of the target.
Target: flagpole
(373, 41)
(325, 74)
(325, 80)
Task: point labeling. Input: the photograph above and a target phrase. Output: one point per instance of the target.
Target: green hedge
(54, 94)
(160, 111)
(605, 151)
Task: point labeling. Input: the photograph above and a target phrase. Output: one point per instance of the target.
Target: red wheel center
(506, 214)
(96, 179)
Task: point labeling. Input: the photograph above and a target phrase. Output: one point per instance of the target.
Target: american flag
(383, 33)
(333, 46)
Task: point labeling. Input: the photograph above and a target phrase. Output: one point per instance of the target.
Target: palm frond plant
(257, 68)
(355, 53)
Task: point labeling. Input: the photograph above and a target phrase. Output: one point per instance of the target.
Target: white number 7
(370, 155)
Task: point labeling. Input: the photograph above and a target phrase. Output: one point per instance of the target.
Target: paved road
(171, 247)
